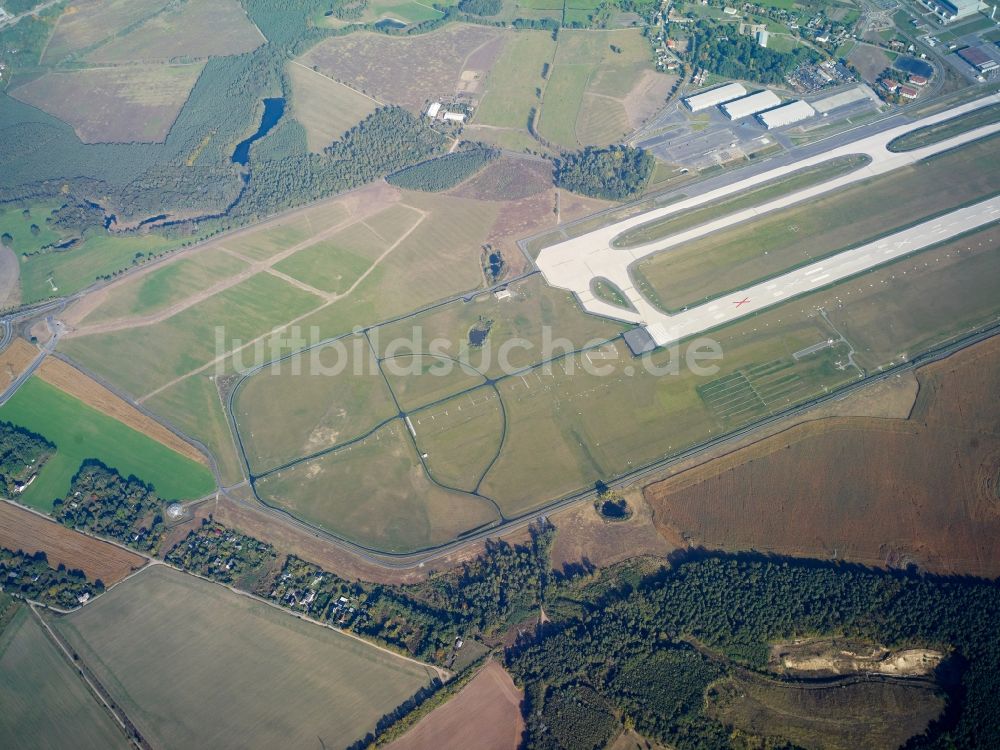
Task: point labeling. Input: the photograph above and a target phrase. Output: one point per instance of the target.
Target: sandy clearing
(28, 531)
(68, 379)
(10, 290)
(486, 714)
(14, 360)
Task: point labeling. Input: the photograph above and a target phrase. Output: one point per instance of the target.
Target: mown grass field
(194, 664)
(195, 29)
(45, 704)
(376, 493)
(511, 86)
(100, 254)
(80, 432)
(142, 359)
(750, 252)
(194, 406)
(418, 380)
(310, 402)
(127, 104)
(154, 291)
(325, 108)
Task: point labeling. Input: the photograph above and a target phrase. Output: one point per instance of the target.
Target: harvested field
(583, 537)
(195, 29)
(495, 702)
(127, 104)
(842, 716)
(444, 56)
(863, 489)
(68, 379)
(10, 290)
(194, 664)
(88, 22)
(14, 360)
(45, 703)
(508, 178)
(324, 107)
(20, 529)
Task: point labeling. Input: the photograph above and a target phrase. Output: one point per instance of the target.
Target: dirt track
(24, 530)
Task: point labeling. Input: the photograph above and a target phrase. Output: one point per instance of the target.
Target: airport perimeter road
(830, 270)
(575, 263)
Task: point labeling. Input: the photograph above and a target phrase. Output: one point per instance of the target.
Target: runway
(575, 263)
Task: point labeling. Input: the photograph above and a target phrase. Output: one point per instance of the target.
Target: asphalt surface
(575, 263)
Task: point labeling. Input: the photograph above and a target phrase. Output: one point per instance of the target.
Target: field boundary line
(334, 80)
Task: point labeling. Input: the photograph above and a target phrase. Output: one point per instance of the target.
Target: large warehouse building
(715, 97)
(751, 105)
(786, 115)
(952, 10)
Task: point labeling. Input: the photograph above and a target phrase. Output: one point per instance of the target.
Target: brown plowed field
(68, 379)
(486, 714)
(14, 360)
(21, 529)
(881, 492)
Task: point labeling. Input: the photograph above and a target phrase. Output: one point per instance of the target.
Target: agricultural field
(194, 29)
(126, 104)
(46, 704)
(173, 651)
(601, 86)
(14, 360)
(842, 716)
(71, 381)
(86, 24)
(80, 432)
(831, 488)
(21, 529)
(749, 252)
(491, 697)
(451, 60)
(324, 107)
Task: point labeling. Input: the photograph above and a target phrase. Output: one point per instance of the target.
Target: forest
(444, 172)
(31, 577)
(22, 454)
(615, 173)
(733, 56)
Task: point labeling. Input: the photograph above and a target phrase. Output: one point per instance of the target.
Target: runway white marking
(573, 264)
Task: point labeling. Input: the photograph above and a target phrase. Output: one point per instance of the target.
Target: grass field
(80, 432)
(14, 222)
(418, 380)
(142, 359)
(771, 190)
(21, 529)
(194, 29)
(753, 251)
(383, 497)
(194, 406)
(443, 55)
(155, 291)
(843, 716)
(45, 704)
(311, 402)
(943, 130)
(512, 83)
(85, 25)
(325, 108)
(193, 664)
(461, 437)
(100, 254)
(134, 103)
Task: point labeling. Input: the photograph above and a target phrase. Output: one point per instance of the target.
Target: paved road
(45, 351)
(575, 263)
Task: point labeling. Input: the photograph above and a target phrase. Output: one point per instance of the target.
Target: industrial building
(786, 114)
(842, 99)
(751, 105)
(952, 10)
(715, 97)
(978, 59)
(762, 38)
